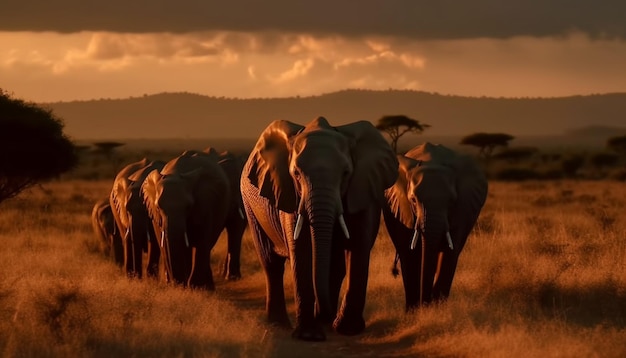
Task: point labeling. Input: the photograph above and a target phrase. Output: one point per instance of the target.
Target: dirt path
(249, 295)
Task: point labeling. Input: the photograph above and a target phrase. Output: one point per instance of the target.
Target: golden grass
(543, 274)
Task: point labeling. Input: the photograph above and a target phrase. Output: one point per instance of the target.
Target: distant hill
(597, 131)
(185, 115)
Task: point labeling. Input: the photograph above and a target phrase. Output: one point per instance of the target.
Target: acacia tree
(398, 125)
(107, 148)
(33, 146)
(487, 142)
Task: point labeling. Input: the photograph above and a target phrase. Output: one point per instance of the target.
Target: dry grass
(544, 274)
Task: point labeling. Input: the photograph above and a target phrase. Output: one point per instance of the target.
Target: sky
(67, 50)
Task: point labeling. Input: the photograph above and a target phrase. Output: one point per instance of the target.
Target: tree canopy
(33, 146)
(617, 144)
(516, 154)
(107, 148)
(487, 142)
(398, 125)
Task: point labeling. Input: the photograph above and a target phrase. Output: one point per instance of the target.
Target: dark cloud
(427, 19)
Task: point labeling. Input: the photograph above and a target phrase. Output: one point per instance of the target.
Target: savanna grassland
(543, 274)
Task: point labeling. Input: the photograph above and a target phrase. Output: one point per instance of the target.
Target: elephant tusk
(414, 240)
(162, 237)
(296, 231)
(416, 235)
(342, 222)
(126, 234)
(449, 238)
(241, 213)
(186, 240)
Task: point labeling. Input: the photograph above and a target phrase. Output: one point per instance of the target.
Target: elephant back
(200, 165)
(436, 154)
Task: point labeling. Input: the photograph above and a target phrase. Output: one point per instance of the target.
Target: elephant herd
(312, 195)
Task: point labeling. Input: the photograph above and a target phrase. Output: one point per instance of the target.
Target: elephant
(104, 227)
(314, 194)
(188, 202)
(131, 217)
(436, 199)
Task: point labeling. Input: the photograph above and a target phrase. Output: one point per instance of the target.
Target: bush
(516, 174)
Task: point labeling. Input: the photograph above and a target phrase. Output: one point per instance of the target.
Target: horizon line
(296, 96)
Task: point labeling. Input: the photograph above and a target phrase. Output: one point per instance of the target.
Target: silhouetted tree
(517, 154)
(33, 146)
(487, 142)
(617, 144)
(398, 125)
(107, 148)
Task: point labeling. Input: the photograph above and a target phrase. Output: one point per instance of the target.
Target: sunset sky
(77, 49)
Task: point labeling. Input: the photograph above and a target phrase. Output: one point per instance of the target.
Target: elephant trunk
(176, 250)
(322, 216)
(435, 229)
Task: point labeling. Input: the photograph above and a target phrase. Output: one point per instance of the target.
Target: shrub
(516, 174)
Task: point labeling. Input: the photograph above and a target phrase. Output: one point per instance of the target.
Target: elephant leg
(308, 327)
(410, 264)
(235, 228)
(275, 305)
(154, 254)
(274, 269)
(135, 267)
(363, 231)
(178, 261)
(127, 244)
(117, 247)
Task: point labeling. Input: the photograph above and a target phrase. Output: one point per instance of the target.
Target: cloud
(300, 68)
(50, 66)
(418, 19)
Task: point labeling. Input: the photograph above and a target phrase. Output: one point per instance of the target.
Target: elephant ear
(118, 201)
(269, 170)
(375, 166)
(150, 190)
(140, 174)
(396, 195)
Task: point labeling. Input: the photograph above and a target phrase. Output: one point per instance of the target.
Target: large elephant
(131, 217)
(314, 194)
(436, 200)
(188, 201)
(104, 227)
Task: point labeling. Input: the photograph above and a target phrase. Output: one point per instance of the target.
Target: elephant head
(319, 172)
(436, 198)
(185, 200)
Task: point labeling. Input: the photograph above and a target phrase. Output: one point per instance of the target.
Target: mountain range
(192, 116)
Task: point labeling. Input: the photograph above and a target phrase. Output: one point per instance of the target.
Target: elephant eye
(296, 173)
